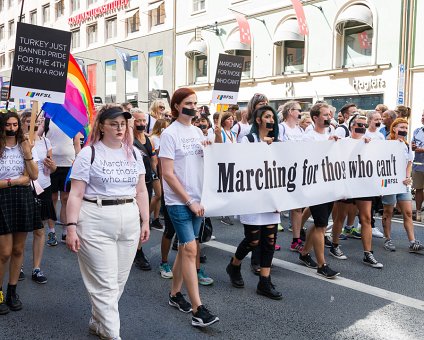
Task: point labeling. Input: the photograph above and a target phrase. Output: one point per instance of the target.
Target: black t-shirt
(147, 153)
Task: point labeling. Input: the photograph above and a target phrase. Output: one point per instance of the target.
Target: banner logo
(37, 94)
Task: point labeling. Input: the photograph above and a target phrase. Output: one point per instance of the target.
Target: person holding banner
(320, 114)
(17, 208)
(107, 200)
(260, 230)
(399, 131)
(181, 156)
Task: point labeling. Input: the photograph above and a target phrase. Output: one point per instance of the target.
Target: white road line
(340, 281)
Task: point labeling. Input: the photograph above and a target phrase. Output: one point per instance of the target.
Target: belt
(117, 201)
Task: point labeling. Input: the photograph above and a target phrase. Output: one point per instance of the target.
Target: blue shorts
(392, 199)
(186, 223)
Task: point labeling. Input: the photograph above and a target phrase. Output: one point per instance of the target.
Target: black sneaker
(266, 288)
(178, 301)
(327, 272)
(235, 275)
(327, 241)
(203, 258)
(63, 239)
(3, 307)
(21, 275)
(370, 260)
(38, 276)
(156, 224)
(12, 300)
(203, 318)
(308, 261)
(141, 261)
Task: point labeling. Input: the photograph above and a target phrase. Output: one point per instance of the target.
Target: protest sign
(4, 92)
(227, 79)
(252, 178)
(40, 64)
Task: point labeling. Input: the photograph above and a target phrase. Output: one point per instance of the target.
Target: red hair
(177, 98)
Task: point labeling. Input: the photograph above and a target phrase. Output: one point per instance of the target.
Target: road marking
(340, 281)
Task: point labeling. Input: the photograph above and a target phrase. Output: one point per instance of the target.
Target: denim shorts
(186, 223)
(392, 199)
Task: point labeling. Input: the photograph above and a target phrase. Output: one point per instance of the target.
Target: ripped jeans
(186, 223)
(263, 236)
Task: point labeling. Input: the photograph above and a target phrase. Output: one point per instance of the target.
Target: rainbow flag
(77, 113)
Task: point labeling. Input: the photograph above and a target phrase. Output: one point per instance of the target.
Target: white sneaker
(418, 218)
(377, 233)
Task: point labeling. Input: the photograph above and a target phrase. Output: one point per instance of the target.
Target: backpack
(46, 125)
(347, 133)
(250, 138)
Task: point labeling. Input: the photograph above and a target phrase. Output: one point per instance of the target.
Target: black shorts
(352, 200)
(47, 208)
(320, 213)
(58, 179)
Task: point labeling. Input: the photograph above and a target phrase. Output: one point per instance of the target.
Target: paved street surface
(363, 303)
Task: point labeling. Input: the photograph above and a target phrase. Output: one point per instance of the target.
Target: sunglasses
(362, 125)
(162, 107)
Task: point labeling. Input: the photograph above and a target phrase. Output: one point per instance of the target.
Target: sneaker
(226, 220)
(178, 301)
(280, 227)
(203, 258)
(342, 237)
(165, 271)
(156, 224)
(308, 261)
(389, 245)
(377, 233)
(416, 247)
(38, 276)
(337, 253)
(175, 244)
(203, 318)
(327, 272)
(352, 232)
(4, 309)
(12, 300)
(327, 241)
(255, 268)
(21, 275)
(277, 247)
(51, 239)
(297, 246)
(203, 278)
(418, 216)
(234, 272)
(290, 228)
(266, 288)
(141, 262)
(370, 260)
(63, 240)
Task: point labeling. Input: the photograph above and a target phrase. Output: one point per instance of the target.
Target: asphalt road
(363, 303)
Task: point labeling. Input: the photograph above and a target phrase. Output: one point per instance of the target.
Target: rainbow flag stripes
(384, 183)
(30, 94)
(219, 97)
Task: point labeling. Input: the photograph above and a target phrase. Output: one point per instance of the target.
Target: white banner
(255, 177)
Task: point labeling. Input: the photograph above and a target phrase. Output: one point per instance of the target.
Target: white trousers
(109, 237)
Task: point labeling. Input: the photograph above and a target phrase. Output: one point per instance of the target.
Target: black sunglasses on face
(362, 125)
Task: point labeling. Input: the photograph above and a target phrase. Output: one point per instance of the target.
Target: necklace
(230, 136)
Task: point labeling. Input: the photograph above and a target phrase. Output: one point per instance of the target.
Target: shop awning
(131, 13)
(288, 31)
(353, 15)
(196, 47)
(233, 43)
(153, 6)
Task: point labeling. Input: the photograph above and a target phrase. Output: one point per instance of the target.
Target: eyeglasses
(362, 125)
(116, 126)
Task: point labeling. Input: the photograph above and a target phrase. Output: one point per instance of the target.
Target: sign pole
(34, 112)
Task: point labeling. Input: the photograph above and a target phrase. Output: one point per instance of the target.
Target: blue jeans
(391, 199)
(186, 223)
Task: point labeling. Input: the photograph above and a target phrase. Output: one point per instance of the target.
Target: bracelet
(28, 159)
(69, 224)
(189, 202)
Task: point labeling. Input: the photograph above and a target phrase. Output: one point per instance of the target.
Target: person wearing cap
(107, 200)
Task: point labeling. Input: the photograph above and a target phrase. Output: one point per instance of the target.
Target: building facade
(144, 30)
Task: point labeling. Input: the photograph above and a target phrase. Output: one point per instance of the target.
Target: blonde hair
(160, 124)
(154, 108)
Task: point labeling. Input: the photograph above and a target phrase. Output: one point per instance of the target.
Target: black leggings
(262, 236)
(169, 231)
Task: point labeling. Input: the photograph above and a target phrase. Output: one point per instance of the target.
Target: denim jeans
(186, 223)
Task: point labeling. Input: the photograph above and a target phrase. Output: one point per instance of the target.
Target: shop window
(155, 70)
(92, 80)
(363, 102)
(196, 54)
(247, 63)
(131, 79)
(110, 93)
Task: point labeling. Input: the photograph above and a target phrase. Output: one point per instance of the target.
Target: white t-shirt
(12, 164)
(287, 133)
(113, 173)
(268, 218)
(152, 121)
(312, 135)
(42, 146)
(156, 142)
(228, 137)
(341, 131)
(409, 154)
(377, 135)
(241, 130)
(63, 146)
(183, 144)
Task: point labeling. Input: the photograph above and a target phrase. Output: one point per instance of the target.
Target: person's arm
(218, 134)
(72, 213)
(142, 199)
(49, 162)
(21, 180)
(77, 143)
(30, 166)
(168, 175)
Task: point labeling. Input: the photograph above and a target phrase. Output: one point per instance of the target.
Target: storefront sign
(401, 86)
(368, 84)
(227, 79)
(41, 63)
(97, 12)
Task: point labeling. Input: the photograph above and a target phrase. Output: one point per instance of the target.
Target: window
(1, 32)
(200, 71)
(110, 94)
(198, 5)
(157, 15)
(10, 3)
(246, 54)
(2, 61)
(293, 56)
(2, 5)
(11, 57)
(22, 18)
(365, 102)
(133, 23)
(90, 2)
(131, 78)
(357, 49)
(155, 70)
(11, 28)
(75, 5)
(91, 75)
(33, 18)
(92, 34)
(46, 14)
(59, 7)
(75, 42)
(111, 28)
